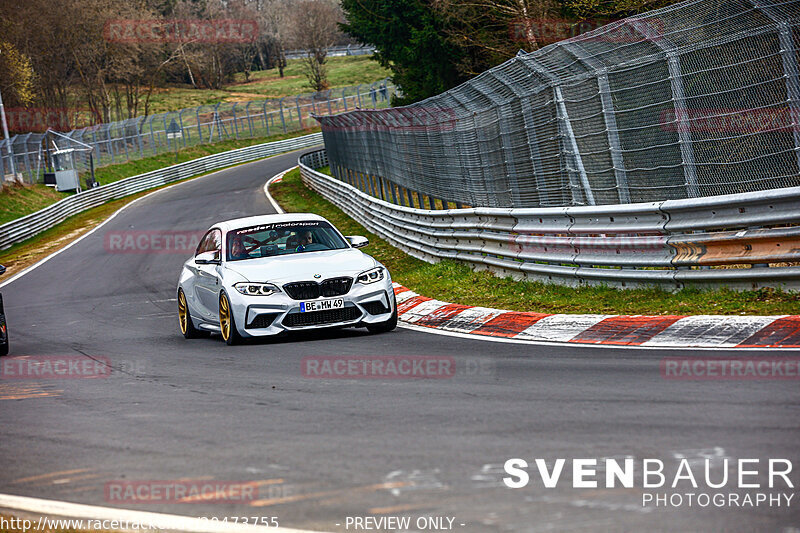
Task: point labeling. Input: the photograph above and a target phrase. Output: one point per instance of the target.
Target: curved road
(327, 449)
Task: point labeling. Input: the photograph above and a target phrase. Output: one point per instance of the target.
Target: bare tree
(315, 28)
(273, 21)
(493, 31)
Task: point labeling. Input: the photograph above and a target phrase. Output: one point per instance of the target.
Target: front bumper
(260, 316)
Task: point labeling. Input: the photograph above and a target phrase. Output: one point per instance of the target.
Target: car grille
(263, 321)
(335, 287)
(309, 290)
(315, 318)
(375, 308)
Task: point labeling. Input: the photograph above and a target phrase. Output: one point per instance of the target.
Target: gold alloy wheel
(224, 317)
(183, 315)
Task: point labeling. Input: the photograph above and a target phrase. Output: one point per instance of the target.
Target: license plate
(321, 305)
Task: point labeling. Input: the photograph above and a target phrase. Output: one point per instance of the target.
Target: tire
(185, 319)
(227, 324)
(389, 325)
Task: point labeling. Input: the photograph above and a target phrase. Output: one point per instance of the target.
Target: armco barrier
(25, 227)
(670, 244)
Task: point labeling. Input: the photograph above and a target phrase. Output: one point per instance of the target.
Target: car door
(206, 282)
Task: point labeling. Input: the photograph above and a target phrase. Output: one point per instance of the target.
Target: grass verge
(342, 72)
(18, 201)
(456, 282)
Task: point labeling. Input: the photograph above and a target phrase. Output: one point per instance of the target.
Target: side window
(215, 241)
(211, 241)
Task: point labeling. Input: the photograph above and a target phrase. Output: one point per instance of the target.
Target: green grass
(18, 200)
(342, 72)
(456, 282)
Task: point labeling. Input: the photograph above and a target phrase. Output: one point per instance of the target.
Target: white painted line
(159, 520)
(269, 182)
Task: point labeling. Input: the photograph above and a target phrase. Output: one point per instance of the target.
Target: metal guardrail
(671, 243)
(335, 51)
(25, 227)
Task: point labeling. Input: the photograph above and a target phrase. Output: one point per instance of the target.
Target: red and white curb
(667, 331)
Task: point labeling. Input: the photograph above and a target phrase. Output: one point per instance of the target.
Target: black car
(3, 327)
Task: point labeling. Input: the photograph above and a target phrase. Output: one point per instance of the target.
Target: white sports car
(269, 274)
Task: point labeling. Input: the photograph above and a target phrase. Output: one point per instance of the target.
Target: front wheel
(384, 327)
(185, 319)
(227, 324)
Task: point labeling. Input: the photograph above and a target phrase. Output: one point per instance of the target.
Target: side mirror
(357, 241)
(207, 258)
(2, 270)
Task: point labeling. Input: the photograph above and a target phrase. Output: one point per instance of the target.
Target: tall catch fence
(697, 99)
(118, 142)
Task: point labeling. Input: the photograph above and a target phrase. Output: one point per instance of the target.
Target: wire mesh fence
(23, 158)
(697, 99)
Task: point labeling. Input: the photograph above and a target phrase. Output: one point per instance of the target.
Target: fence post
(299, 113)
(235, 125)
(790, 69)
(678, 99)
(249, 118)
(607, 104)
(283, 119)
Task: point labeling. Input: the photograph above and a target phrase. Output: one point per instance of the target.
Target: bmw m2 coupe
(271, 274)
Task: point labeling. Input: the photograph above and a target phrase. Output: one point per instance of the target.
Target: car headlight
(256, 289)
(371, 276)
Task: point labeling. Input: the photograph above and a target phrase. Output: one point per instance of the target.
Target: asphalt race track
(325, 449)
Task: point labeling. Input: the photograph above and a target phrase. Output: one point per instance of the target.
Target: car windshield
(268, 240)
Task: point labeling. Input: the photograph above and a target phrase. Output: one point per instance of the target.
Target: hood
(303, 266)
